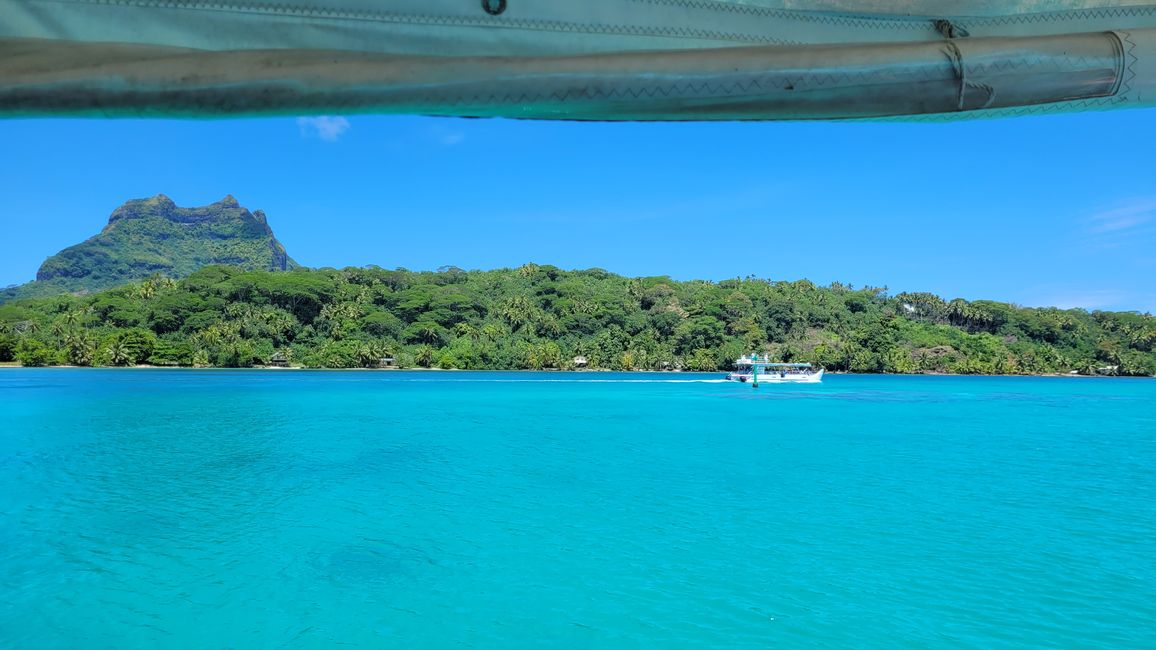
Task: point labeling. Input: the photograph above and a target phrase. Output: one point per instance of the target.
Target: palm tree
(119, 354)
(518, 311)
(465, 330)
(71, 317)
(635, 289)
(335, 318)
(959, 312)
(151, 286)
(209, 337)
(549, 326)
(145, 290)
(582, 306)
(81, 349)
(550, 354)
(1142, 339)
(703, 360)
(428, 332)
(626, 360)
(1109, 351)
(424, 356)
(980, 318)
(493, 331)
(533, 358)
(369, 354)
(201, 358)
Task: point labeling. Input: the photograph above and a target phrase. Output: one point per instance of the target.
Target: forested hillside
(154, 236)
(542, 317)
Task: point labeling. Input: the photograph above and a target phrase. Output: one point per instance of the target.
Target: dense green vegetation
(147, 237)
(542, 317)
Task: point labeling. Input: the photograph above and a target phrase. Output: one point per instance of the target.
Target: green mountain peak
(155, 236)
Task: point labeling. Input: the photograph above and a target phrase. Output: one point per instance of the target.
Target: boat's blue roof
(776, 365)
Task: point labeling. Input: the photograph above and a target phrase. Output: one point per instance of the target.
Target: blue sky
(1044, 210)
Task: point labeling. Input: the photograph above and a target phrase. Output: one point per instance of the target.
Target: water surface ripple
(250, 509)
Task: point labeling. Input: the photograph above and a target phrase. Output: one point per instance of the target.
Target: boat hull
(778, 378)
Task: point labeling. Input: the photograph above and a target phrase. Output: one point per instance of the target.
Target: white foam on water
(575, 381)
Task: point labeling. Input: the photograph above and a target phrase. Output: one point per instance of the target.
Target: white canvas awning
(584, 60)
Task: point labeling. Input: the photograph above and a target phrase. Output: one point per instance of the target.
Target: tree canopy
(539, 316)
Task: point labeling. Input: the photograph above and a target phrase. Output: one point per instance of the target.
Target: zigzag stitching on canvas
(284, 9)
(1059, 16)
(1053, 63)
(1129, 67)
(920, 23)
(801, 16)
(1016, 111)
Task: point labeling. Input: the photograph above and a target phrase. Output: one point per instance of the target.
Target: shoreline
(15, 365)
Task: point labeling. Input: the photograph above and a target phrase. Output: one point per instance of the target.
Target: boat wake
(576, 381)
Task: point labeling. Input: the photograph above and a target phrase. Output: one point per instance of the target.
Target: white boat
(754, 370)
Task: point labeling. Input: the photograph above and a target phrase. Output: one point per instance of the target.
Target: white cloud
(324, 127)
(1127, 229)
(428, 137)
(1126, 216)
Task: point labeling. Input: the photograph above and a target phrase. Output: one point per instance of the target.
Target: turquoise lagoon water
(250, 509)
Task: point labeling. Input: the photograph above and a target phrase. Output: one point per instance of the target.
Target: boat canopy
(589, 60)
(775, 365)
